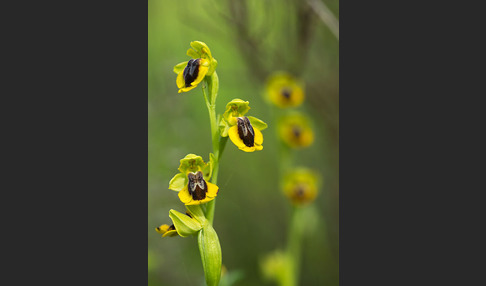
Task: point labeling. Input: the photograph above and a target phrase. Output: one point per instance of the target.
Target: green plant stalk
(208, 241)
(212, 83)
(209, 247)
(294, 247)
(286, 155)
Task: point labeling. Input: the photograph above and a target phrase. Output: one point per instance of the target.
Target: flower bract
(183, 225)
(284, 90)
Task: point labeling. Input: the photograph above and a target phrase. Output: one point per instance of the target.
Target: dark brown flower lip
(197, 186)
(191, 71)
(245, 131)
(286, 92)
(296, 131)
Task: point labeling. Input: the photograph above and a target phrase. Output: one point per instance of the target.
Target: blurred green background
(250, 39)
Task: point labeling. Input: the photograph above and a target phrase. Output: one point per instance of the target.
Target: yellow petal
(180, 80)
(178, 182)
(307, 138)
(235, 137)
(180, 67)
(203, 70)
(297, 96)
(248, 149)
(187, 199)
(186, 89)
(195, 202)
(184, 196)
(210, 195)
(258, 137)
(212, 190)
(170, 233)
(162, 229)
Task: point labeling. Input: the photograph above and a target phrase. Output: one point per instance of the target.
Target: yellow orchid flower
(192, 72)
(191, 182)
(244, 132)
(166, 230)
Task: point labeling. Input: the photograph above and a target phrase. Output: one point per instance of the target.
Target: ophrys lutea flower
(301, 186)
(192, 72)
(166, 230)
(284, 90)
(244, 131)
(192, 181)
(295, 130)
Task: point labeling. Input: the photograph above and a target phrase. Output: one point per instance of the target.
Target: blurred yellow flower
(275, 267)
(301, 186)
(295, 130)
(284, 90)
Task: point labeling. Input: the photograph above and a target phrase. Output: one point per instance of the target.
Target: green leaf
(210, 250)
(178, 182)
(257, 123)
(212, 66)
(197, 213)
(223, 127)
(180, 67)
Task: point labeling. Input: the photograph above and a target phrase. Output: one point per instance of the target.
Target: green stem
(294, 247)
(212, 83)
